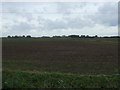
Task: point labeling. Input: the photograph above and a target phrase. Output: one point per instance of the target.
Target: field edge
(22, 79)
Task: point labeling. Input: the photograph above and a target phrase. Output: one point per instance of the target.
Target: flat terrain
(65, 55)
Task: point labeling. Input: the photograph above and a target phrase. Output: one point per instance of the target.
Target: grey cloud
(22, 27)
(106, 15)
(9, 7)
(51, 25)
(68, 8)
(66, 23)
(68, 19)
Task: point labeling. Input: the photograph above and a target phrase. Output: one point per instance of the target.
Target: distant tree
(73, 36)
(115, 37)
(45, 37)
(96, 36)
(28, 36)
(87, 36)
(56, 36)
(9, 36)
(63, 36)
(16, 36)
(82, 36)
(23, 36)
(105, 37)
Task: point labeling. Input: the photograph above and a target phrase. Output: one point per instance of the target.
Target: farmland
(83, 56)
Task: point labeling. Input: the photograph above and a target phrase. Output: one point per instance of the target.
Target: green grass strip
(20, 79)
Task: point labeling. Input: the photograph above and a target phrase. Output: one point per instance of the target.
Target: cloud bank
(63, 18)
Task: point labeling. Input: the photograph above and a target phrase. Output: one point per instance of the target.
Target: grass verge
(20, 79)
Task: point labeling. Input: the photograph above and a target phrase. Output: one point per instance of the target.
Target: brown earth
(92, 56)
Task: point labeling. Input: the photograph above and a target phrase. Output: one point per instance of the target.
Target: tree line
(28, 36)
(63, 36)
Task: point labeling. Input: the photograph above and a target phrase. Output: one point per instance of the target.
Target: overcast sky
(63, 18)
